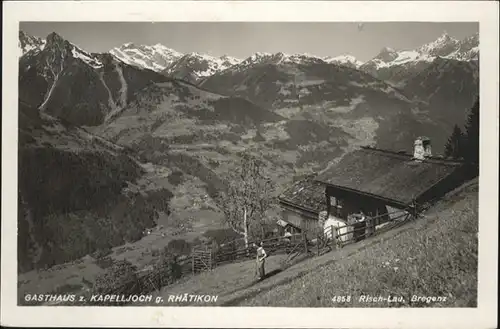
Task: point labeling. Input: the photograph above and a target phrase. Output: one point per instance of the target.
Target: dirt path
(236, 283)
(305, 267)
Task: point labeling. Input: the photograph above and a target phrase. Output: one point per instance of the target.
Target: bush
(221, 236)
(104, 262)
(120, 278)
(67, 289)
(176, 178)
(101, 253)
(155, 252)
(179, 247)
(196, 242)
(165, 271)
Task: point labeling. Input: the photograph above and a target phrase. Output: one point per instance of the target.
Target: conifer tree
(471, 154)
(455, 146)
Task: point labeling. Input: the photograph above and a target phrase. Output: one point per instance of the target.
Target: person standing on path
(261, 258)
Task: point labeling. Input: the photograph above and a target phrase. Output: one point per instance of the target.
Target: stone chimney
(422, 148)
(418, 149)
(426, 142)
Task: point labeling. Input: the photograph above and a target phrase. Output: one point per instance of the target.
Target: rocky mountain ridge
(397, 66)
(80, 87)
(195, 66)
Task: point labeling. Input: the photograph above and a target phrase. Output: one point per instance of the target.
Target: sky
(242, 39)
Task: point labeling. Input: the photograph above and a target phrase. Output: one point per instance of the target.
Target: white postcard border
(485, 12)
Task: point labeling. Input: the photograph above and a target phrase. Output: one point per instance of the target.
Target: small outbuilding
(301, 205)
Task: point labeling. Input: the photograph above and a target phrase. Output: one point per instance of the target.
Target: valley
(122, 152)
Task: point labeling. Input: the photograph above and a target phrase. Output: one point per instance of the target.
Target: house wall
(306, 222)
(454, 180)
(281, 230)
(352, 203)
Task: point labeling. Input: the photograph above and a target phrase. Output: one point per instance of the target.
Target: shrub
(104, 262)
(165, 271)
(176, 178)
(155, 252)
(120, 278)
(67, 288)
(101, 253)
(179, 247)
(221, 236)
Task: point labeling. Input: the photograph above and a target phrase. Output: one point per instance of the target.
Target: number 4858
(341, 299)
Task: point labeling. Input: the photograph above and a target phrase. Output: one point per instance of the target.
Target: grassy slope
(433, 256)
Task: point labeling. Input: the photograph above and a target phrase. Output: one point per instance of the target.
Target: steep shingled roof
(307, 194)
(387, 175)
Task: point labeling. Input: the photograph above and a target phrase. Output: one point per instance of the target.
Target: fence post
(305, 242)
(414, 209)
(319, 240)
(192, 258)
(214, 258)
(210, 259)
(335, 238)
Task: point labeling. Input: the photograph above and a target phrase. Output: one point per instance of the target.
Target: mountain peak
(387, 50)
(229, 60)
(442, 46)
(156, 57)
(260, 54)
(445, 37)
(56, 42)
(387, 54)
(28, 43)
(345, 60)
(197, 55)
(54, 38)
(226, 57)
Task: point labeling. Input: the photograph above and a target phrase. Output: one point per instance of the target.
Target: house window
(336, 207)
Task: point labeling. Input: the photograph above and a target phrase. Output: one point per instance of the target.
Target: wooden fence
(361, 230)
(276, 245)
(203, 259)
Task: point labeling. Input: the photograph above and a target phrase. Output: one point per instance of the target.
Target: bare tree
(248, 196)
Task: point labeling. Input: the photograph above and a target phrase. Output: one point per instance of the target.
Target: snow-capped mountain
(156, 57)
(193, 66)
(280, 80)
(398, 65)
(345, 60)
(444, 47)
(28, 43)
(451, 48)
(162, 59)
(280, 58)
(79, 87)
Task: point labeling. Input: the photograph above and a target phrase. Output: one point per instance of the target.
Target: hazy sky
(241, 39)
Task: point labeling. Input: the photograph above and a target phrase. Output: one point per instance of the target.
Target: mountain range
(150, 127)
(387, 65)
(399, 66)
